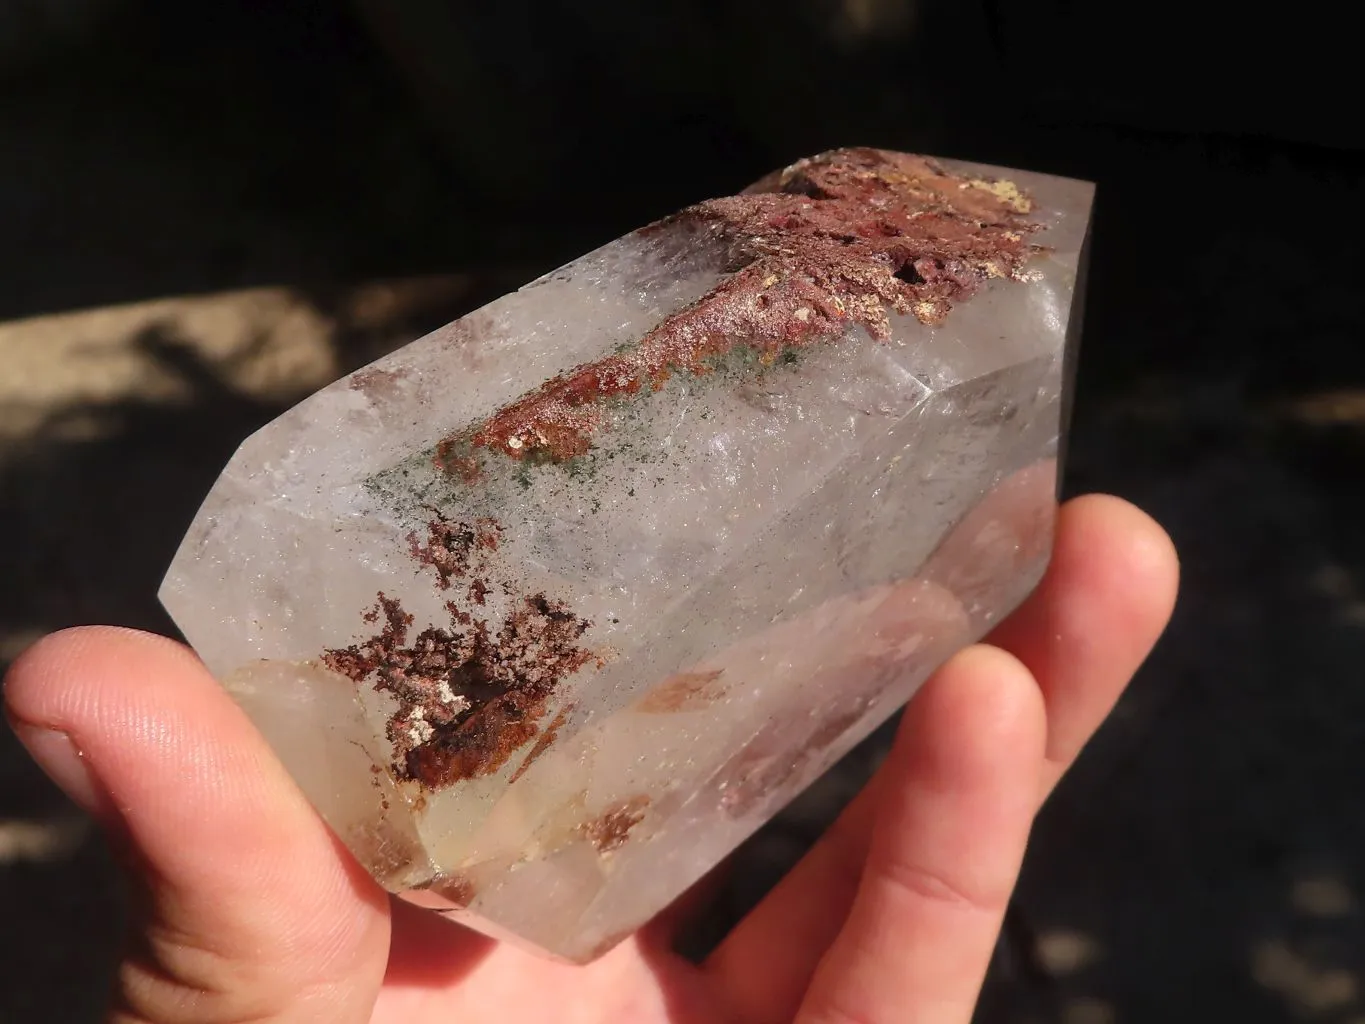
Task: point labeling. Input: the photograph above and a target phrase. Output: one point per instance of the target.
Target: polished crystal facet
(549, 610)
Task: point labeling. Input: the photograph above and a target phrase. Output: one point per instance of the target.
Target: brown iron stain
(840, 720)
(383, 851)
(609, 830)
(378, 385)
(686, 691)
(547, 739)
(774, 756)
(458, 889)
(451, 546)
(839, 239)
(448, 460)
(469, 694)
(376, 775)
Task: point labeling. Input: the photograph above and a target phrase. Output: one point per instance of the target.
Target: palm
(462, 977)
(256, 913)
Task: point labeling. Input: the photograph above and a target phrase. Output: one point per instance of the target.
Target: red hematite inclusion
(468, 695)
(835, 240)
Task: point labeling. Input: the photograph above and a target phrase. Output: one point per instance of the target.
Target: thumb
(251, 908)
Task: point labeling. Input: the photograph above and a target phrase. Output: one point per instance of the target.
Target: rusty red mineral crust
(610, 830)
(469, 695)
(544, 743)
(835, 240)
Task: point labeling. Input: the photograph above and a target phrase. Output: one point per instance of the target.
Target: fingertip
(168, 750)
(1132, 549)
(1107, 596)
(249, 891)
(49, 681)
(981, 710)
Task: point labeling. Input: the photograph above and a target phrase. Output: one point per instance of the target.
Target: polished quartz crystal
(549, 610)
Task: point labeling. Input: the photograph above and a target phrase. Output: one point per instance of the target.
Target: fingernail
(59, 756)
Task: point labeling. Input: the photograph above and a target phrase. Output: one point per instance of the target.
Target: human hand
(253, 911)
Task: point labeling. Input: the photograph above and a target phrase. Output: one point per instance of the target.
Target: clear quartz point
(549, 610)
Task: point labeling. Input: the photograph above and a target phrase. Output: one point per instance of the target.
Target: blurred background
(209, 210)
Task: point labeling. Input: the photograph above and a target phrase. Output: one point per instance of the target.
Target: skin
(252, 911)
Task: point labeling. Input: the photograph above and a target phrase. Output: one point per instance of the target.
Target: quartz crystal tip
(549, 610)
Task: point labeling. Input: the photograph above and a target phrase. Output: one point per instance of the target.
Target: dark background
(383, 167)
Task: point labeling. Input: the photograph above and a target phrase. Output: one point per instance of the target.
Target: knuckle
(922, 883)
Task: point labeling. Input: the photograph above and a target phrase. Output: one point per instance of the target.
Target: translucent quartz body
(771, 562)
